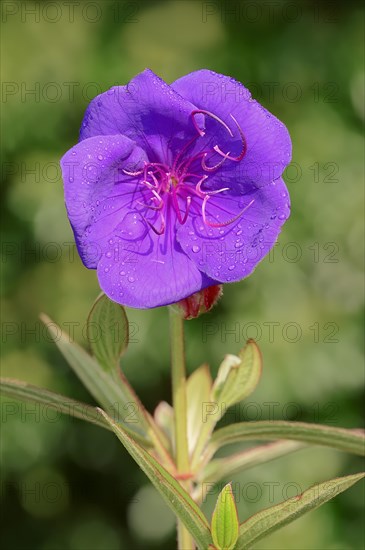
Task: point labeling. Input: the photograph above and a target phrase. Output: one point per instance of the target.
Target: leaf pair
(227, 534)
(107, 331)
(208, 402)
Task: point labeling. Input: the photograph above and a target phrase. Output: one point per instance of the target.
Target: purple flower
(174, 188)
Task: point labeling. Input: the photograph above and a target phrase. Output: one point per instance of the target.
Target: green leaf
(175, 496)
(265, 522)
(228, 466)
(225, 525)
(237, 377)
(164, 418)
(198, 388)
(107, 332)
(114, 396)
(18, 389)
(352, 441)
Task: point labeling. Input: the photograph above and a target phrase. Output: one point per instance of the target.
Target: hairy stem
(185, 541)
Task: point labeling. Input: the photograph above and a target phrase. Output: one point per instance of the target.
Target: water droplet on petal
(131, 279)
(196, 248)
(132, 226)
(231, 267)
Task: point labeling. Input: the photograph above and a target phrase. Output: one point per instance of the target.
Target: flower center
(174, 181)
(176, 186)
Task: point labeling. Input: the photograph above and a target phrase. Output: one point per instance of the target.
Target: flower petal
(268, 141)
(148, 111)
(231, 252)
(150, 272)
(96, 190)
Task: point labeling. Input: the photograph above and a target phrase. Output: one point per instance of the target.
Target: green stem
(185, 541)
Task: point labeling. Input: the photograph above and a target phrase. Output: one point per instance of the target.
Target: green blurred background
(66, 485)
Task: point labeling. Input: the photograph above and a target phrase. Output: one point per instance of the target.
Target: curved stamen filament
(175, 202)
(128, 173)
(222, 224)
(215, 117)
(216, 166)
(183, 150)
(244, 145)
(163, 225)
(216, 148)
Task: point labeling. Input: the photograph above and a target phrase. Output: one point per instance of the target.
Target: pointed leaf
(238, 376)
(265, 522)
(18, 389)
(107, 332)
(228, 466)
(174, 495)
(352, 441)
(225, 525)
(115, 397)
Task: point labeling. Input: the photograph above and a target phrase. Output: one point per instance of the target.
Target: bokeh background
(66, 485)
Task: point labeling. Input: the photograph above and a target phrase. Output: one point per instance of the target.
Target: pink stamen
(162, 181)
(175, 202)
(138, 173)
(215, 117)
(183, 150)
(162, 228)
(244, 146)
(216, 166)
(222, 224)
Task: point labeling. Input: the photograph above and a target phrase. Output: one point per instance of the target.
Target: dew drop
(131, 227)
(100, 157)
(106, 269)
(196, 248)
(131, 279)
(282, 217)
(231, 267)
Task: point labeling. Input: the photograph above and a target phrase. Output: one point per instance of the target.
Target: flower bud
(199, 302)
